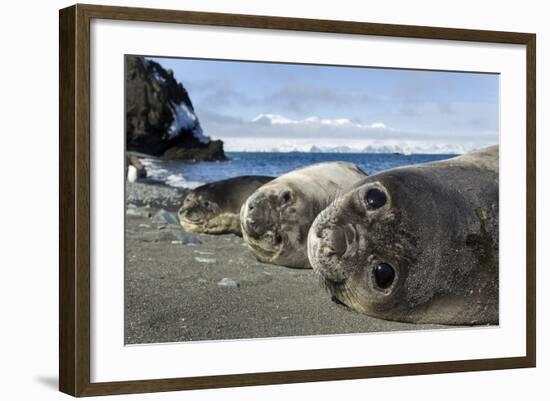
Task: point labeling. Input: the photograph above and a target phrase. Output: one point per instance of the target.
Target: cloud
(298, 97)
(217, 94)
(275, 131)
(294, 97)
(314, 121)
(280, 126)
(445, 108)
(216, 118)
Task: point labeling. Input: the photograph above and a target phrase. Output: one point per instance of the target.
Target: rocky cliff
(160, 118)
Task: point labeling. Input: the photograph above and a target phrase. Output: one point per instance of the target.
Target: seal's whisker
(347, 293)
(350, 295)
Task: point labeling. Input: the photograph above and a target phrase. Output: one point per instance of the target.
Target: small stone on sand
(204, 252)
(165, 217)
(205, 260)
(228, 282)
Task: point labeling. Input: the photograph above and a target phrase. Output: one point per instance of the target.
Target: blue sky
(260, 106)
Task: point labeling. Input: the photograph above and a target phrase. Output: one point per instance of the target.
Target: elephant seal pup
(275, 219)
(214, 208)
(415, 244)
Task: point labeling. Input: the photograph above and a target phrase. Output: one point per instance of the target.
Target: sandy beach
(187, 287)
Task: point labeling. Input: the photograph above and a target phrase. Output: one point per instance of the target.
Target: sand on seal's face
(415, 244)
(276, 218)
(196, 211)
(214, 208)
(275, 221)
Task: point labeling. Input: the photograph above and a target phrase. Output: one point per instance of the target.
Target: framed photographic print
(250, 200)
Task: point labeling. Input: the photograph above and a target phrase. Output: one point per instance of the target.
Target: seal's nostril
(253, 227)
(329, 252)
(250, 206)
(336, 241)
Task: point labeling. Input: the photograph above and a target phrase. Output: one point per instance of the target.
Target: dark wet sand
(172, 292)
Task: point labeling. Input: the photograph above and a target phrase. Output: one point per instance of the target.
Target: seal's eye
(384, 275)
(285, 196)
(278, 238)
(375, 199)
(206, 203)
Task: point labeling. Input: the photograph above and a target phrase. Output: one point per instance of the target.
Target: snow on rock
(185, 118)
(160, 118)
(132, 174)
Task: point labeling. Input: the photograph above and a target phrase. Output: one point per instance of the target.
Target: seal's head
(197, 210)
(396, 248)
(272, 222)
(358, 247)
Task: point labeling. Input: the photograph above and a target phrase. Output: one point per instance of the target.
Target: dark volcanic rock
(212, 151)
(160, 118)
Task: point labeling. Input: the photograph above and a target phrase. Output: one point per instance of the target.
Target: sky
(266, 106)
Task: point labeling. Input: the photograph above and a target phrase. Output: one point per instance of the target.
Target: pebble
(165, 217)
(205, 260)
(174, 236)
(185, 238)
(146, 193)
(228, 282)
(138, 212)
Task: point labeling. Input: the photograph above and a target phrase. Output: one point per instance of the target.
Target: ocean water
(191, 175)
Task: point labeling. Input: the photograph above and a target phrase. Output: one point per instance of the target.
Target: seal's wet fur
(276, 218)
(214, 208)
(438, 230)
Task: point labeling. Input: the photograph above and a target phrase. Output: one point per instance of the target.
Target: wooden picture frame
(74, 199)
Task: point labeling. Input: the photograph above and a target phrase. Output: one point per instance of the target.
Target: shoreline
(189, 175)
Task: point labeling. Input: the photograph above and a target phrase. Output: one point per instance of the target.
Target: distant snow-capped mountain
(392, 148)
